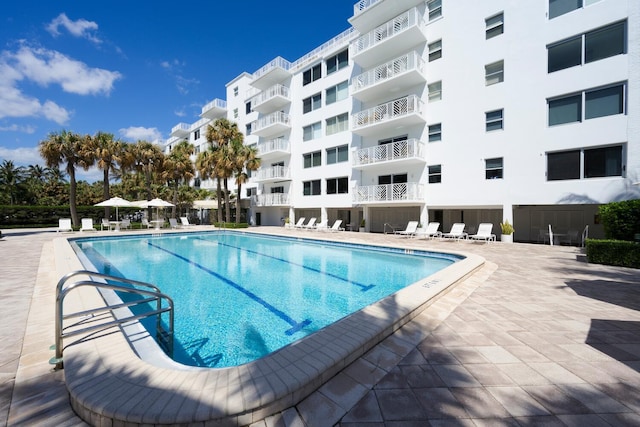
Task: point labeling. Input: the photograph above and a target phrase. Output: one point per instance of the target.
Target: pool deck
(535, 337)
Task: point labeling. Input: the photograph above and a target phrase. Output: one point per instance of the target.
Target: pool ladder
(99, 319)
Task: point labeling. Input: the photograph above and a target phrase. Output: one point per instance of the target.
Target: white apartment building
(448, 111)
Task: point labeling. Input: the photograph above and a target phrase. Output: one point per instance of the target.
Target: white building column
(507, 213)
(424, 215)
(324, 216)
(292, 215)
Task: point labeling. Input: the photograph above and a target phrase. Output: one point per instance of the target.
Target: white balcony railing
(267, 94)
(277, 62)
(272, 119)
(273, 173)
(181, 128)
(273, 145)
(408, 62)
(274, 199)
(401, 150)
(362, 5)
(218, 104)
(408, 191)
(387, 30)
(384, 112)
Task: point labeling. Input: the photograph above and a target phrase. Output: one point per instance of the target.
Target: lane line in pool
(295, 326)
(363, 288)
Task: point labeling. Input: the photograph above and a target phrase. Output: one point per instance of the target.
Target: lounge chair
(185, 222)
(310, 225)
(431, 232)
(64, 224)
(321, 226)
(87, 225)
(412, 228)
(145, 223)
(125, 223)
(484, 233)
(173, 223)
(300, 223)
(456, 232)
(336, 226)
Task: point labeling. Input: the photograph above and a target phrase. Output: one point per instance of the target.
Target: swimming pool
(239, 296)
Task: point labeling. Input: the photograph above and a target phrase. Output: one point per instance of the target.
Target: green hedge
(48, 216)
(621, 220)
(613, 252)
(231, 225)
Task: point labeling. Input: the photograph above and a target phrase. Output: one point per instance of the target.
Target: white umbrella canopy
(154, 203)
(115, 202)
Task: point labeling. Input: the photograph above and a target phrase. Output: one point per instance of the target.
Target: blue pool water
(240, 296)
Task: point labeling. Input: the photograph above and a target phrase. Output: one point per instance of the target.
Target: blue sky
(137, 68)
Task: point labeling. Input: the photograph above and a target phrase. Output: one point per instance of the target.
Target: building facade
(447, 111)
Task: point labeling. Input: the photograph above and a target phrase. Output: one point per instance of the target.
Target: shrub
(613, 252)
(621, 220)
(231, 225)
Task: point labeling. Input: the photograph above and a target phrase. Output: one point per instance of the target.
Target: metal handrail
(151, 293)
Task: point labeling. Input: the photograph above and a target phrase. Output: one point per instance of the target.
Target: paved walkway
(536, 337)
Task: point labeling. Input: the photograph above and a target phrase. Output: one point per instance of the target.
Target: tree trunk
(238, 204)
(227, 204)
(219, 196)
(72, 196)
(105, 192)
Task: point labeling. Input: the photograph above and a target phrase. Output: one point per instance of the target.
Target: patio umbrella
(115, 202)
(155, 203)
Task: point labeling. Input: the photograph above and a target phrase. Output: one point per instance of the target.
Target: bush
(613, 252)
(231, 225)
(621, 220)
(48, 216)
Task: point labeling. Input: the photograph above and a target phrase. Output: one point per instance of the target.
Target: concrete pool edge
(107, 382)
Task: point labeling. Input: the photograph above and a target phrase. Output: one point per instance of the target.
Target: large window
(565, 110)
(312, 131)
(494, 120)
(598, 44)
(600, 102)
(311, 188)
(311, 103)
(338, 123)
(563, 165)
(435, 9)
(338, 185)
(435, 174)
(312, 74)
(312, 160)
(494, 26)
(494, 168)
(435, 132)
(337, 154)
(337, 92)
(494, 73)
(586, 163)
(337, 62)
(435, 50)
(435, 91)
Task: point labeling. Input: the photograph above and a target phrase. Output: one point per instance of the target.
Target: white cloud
(23, 156)
(80, 28)
(136, 133)
(17, 128)
(14, 103)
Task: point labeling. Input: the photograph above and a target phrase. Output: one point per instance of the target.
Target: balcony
(273, 123)
(274, 72)
(405, 111)
(407, 192)
(274, 199)
(215, 109)
(273, 174)
(271, 99)
(181, 130)
(396, 76)
(273, 148)
(368, 13)
(409, 152)
(396, 35)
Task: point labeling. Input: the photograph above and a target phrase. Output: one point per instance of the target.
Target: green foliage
(621, 220)
(231, 225)
(48, 216)
(613, 252)
(507, 228)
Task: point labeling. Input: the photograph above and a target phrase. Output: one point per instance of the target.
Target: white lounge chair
(87, 225)
(321, 226)
(145, 223)
(185, 222)
(173, 223)
(64, 224)
(456, 232)
(412, 228)
(310, 225)
(125, 223)
(431, 232)
(105, 223)
(484, 233)
(300, 223)
(336, 226)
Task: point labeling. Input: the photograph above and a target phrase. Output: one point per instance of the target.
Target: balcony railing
(277, 118)
(274, 199)
(267, 94)
(393, 68)
(362, 5)
(273, 145)
(384, 112)
(400, 150)
(277, 62)
(216, 104)
(273, 173)
(387, 30)
(408, 191)
(181, 128)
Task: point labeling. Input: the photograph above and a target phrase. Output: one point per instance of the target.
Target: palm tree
(146, 158)
(246, 159)
(11, 178)
(205, 164)
(72, 149)
(108, 153)
(178, 168)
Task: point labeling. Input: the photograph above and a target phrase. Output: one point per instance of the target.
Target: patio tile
(399, 405)
(440, 403)
(555, 400)
(517, 401)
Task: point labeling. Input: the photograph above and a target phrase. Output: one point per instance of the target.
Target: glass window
(565, 110)
(494, 26)
(235, 91)
(560, 7)
(338, 185)
(338, 124)
(435, 50)
(435, 91)
(435, 9)
(248, 128)
(493, 168)
(311, 188)
(604, 42)
(493, 120)
(604, 102)
(276, 190)
(494, 73)
(337, 62)
(564, 54)
(247, 107)
(311, 103)
(337, 92)
(435, 174)
(311, 75)
(312, 160)
(600, 162)
(312, 131)
(435, 132)
(337, 154)
(563, 165)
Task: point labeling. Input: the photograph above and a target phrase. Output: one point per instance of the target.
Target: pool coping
(108, 383)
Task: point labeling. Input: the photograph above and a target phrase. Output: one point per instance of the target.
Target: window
(564, 165)
(235, 113)
(435, 9)
(601, 162)
(435, 50)
(247, 107)
(494, 73)
(338, 124)
(600, 102)
(494, 26)
(392, 179)
(565, 110)
(435, 174)
(311, 103)
(435, 132)
(560, 7)
(493, 168)
(337, 154)
(435, 91)
(235, 91)
(312, 131)
(338, 185)
(248, 129)
(337, 92)
(277, 190)
(312, 160)
(311, 188)
(493, 120)
(337, 62)
(565, 54)
(196, 135)
(311, 75)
